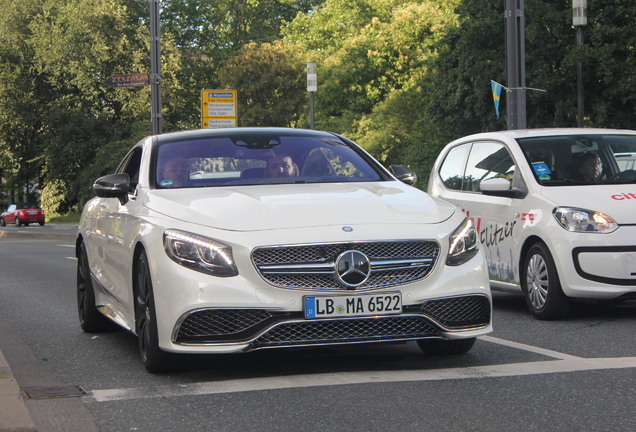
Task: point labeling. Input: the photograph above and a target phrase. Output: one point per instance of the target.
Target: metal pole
(515, 64)
(579, 81)
(155, 68)
(312, 87)
(311, 110)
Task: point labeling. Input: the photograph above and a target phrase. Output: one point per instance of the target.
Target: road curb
(14, 415)
(39, 236)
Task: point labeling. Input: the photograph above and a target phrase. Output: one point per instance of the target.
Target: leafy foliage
(271, 83)
(401, 77)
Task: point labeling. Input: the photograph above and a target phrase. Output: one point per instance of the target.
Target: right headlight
(199, 253)
(463, 244)
(582, 220)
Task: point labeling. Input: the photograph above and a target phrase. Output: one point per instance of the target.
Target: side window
(131, 166)
(452, 169)
(487, 160)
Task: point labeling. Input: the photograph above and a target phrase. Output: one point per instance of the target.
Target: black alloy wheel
(91, 319)
(446, 347)
(154, 359)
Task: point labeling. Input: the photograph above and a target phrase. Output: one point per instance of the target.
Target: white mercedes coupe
(232, 240)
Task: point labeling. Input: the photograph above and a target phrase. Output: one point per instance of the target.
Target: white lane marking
(530, 348)
(66, 245)
(573, 364)
(71, 258)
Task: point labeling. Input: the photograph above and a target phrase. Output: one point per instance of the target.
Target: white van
(555, 210)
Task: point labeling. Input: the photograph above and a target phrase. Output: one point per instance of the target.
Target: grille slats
(350, 330)
(417, 258)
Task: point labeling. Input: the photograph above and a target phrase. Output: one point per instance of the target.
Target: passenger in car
(281, 166)
(586, 167)
(175, 172)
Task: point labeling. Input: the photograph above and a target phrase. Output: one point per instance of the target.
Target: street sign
(218, 109)
(128, 80)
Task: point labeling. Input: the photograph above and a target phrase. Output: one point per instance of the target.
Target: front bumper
(251, 329)
(598, 266)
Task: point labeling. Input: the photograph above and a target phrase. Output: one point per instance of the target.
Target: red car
(22, 214)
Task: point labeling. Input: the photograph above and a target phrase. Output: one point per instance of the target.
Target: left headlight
(199, 253)
(463, 244)
(582, 220)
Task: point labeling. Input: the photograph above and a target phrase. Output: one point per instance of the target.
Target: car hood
(248, 208)
(617, 201)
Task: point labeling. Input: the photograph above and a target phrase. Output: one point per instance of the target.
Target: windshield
(581, 159)
(259, 159)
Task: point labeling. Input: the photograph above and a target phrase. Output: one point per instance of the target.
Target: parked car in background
(233, 240)
(555, 211)
(22, 214)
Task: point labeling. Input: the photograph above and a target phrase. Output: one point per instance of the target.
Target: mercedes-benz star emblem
(352, 268)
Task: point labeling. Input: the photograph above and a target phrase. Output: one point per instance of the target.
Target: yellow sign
(218, 109)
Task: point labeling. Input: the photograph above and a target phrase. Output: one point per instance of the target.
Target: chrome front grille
(313, 266)
(262, 328)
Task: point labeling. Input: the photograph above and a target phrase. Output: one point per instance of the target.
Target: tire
(541, 285)
(26, 224)
(17, 221)
(41, 223)
(446, 347)
(91, 320)
(2, 222)
(154, 358)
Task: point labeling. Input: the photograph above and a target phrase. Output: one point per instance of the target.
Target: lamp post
(515, 64)
(312, 87)
(579, 19)
(155, 68)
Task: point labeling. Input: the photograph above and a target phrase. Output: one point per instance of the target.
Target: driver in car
(175, 172)
(280, 166)
(587, 167)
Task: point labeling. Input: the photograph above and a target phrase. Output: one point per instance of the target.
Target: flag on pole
(496, 94)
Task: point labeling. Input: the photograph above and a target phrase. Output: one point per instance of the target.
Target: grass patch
(71, 217)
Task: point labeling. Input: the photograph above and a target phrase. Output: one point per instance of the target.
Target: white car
(231, 240)
(555, 210)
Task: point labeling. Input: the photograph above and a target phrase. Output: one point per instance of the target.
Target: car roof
(242, 131)
(529, 133)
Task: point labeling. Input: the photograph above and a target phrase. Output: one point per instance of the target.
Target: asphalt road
(573, 375)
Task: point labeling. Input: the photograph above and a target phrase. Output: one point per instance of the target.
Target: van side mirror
(403, 174)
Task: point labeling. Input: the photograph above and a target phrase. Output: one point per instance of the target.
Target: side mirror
(403, 174)
(500, 187)
(495, 185)
(113, 186)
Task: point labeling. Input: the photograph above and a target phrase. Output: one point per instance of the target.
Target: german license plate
(355, 305)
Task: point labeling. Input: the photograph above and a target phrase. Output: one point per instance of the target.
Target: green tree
(208, 33)
(474, 53)
(271, 84)
(21, 110)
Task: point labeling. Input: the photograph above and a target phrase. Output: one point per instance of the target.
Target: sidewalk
(14, 416)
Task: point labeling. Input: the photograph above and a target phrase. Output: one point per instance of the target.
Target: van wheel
(541, 285)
